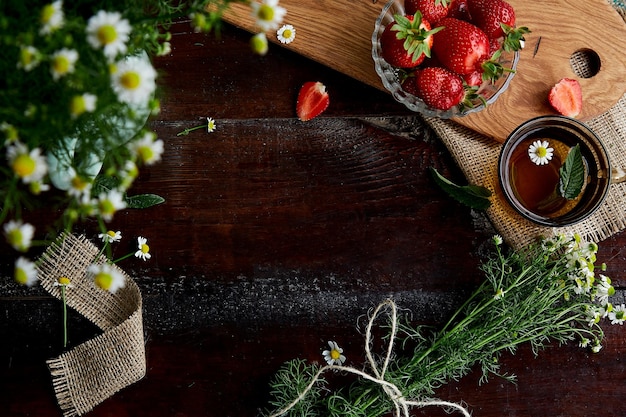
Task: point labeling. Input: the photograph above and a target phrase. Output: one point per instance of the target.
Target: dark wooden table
(277, 236)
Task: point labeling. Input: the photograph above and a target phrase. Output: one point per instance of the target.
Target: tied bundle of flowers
(547, 292)
(76, 92)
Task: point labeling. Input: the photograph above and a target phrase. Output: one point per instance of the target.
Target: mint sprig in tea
(554, 170)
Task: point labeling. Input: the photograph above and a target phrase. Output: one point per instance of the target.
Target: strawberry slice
(566, 97)
(312, 100)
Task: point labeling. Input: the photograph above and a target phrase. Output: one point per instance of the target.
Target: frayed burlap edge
(95, 370)
(477, 156)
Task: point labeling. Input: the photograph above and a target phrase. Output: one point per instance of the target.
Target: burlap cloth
(95, 370)
(477, 156)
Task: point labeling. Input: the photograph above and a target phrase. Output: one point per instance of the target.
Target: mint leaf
(474, 196)
(572, 174)
(142, 201)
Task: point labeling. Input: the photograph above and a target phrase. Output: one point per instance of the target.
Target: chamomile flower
(210, 125)
(148, 148)
(62, 62)
(110, 236)
(82, 103)
(144, 250)
(29, 58)
(499, 294)
(109, 203)
(618, 315)
(259, 44)
(540, 152)
(25, 272)
(268, 14)
(63, 282)
(334, 355)
(107, 277)
(29, 165)
(51, 17)
(497, 240)
(19, 234)
(80, 187)
(107, 30)
(604, 290)
(286, 34)
(133, 80)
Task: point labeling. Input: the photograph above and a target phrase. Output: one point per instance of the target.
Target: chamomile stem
(128, 255)
(64, 316)
(189, 130)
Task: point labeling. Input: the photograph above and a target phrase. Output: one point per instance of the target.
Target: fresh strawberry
(439, 88)
(473, 79)
(460, 46)
(567, 97)
(407, 81)
(432, 10)
(406, 41)
(312, 100)
(458, 10)
(489, 14)
(497, 19)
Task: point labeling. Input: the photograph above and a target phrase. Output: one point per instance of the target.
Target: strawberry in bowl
(458, 55)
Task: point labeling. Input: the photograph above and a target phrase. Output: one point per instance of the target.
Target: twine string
(401, 404)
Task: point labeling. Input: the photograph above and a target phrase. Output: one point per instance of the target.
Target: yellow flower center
(106, 34)
(130, 80)
(64, 281)
(106, 207)
(145, 248)
(111, 233)
(287, 33)
(266, 12)
(23, 165)
(78, 183)
(103, 280)
(26, 57)
(334, 354)
(541, 152)
(145, 153)
(15, 238)
(61, 64)
(46, 13)
(77, 106)
(21, 276)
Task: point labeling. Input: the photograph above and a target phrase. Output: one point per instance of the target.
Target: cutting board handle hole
(585, 63)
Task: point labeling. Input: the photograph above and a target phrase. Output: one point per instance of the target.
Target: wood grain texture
(277, 236)
(339, 36)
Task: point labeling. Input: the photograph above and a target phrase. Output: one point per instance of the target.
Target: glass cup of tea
(531, 183)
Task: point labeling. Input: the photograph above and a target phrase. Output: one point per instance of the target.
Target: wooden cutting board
(337, 33)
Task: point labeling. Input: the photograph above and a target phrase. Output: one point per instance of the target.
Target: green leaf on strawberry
(513, 37)
(416, 33)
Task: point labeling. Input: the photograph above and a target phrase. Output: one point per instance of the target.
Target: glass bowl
(390, 75)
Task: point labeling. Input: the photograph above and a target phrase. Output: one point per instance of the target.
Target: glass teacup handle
(618, 175)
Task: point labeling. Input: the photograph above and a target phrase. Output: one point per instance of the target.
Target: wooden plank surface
(277, 236)
(338, 33)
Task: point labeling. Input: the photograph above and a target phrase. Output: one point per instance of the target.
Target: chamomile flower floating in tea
(540, 153)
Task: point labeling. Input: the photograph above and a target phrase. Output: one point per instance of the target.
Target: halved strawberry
(313, 99)
(567, 97)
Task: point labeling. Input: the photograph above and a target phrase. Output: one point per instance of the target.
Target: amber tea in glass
(533, 190)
